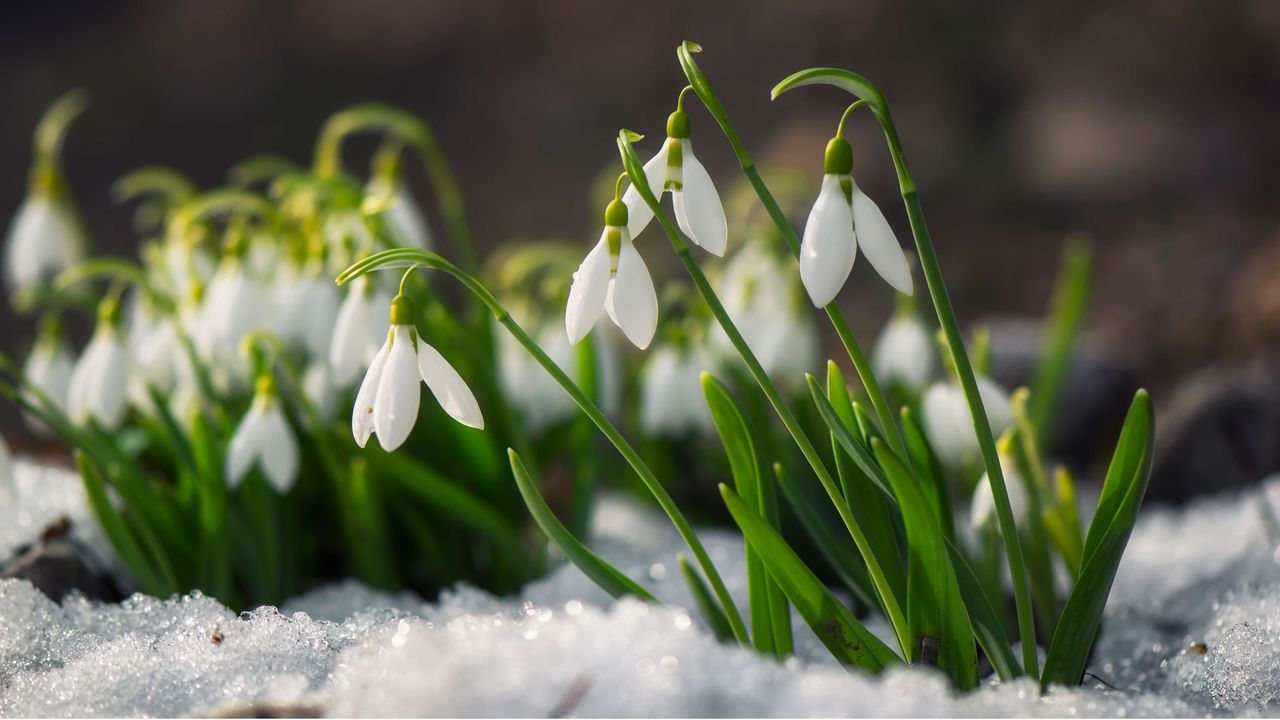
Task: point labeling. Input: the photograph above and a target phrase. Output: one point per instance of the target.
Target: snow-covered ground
(1193, 628)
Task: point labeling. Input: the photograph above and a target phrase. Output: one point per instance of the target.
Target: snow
(1193, 628)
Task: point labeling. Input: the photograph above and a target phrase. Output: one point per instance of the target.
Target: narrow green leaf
(122, 539)
(847, 639)
(374, 560)
(865, 500)
(987, 624)
(929, 471)
(745, 468)
(609, 578)
(936, 611)
(1070, 300)
(1122, 494)
(707, 605)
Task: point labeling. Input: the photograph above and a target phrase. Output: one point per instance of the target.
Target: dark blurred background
(1151, 126)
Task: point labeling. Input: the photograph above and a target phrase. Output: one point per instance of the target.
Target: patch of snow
(1193, 628)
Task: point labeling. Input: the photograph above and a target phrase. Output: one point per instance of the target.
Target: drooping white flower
(613, 278)
(905, 353)
(982, 507)
(671, 399)
(44, 239)
(263, 439)
(234, 306)
(388, 399)
(842, 221)
(699, 211)
(360, 329)
(48, 369)
(949, 426)
(310, 304)
(100, 378)
(762, 297)
(317, 383)
(404, 216)
(527, 385)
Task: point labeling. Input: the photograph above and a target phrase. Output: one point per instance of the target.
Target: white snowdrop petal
(110, 398)
(279, 454)
(43, 240)
(449, 388)
(350, 331)
(632, 301)
(827, 250)
(362, 412)
(879, 244)
(588, 291)
(699, 211)
(638, 211)
(246, 445)
(49, 369)
(407, 219)
(395, 404)
(905, 353)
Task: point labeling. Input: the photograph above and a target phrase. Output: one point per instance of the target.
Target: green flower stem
(700, 85)
(414, 132)
(892, 607)
(409, 257)
(862, 88)
(169, 184)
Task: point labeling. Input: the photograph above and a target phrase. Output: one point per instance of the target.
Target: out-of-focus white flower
(671, 400)
(699, 211)
(388, 400)
(760, 295)
(310, 306)
(317, 383)
(404, 216)
(100, 378)
(44, 239)
(48, 369)
(949, 426)
(905, 353)
(613, 277)
(360, 329)
(830, 243)
(264, 439)
(346, 236)
(234, 306)
(527, 386)
(982, 508)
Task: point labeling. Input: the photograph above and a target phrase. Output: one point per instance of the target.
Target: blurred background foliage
(1150, 126)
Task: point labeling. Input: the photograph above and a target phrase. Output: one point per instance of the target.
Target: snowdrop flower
(44, 239)
(264, 439)
(235, 305)
(404, 216)
(359, 330)
(526, 384)
(699, 211)
(387, 403)
(48, 369)
(311, 303)
(763, 299)
(904, 352)
(671, 400)
(842, 220)
(613, 277)
(982, 508)
(100, 377)
(317, 383)
(948, 424)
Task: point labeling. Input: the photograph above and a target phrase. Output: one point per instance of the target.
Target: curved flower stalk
(671, 402)
(947, 422)
(417, 258)
(99, 380)
(359, 330)
(843, 220)
(613, 278)
(764, 300)
(46, 237)
(264, 440)
(699, 211)
(903, 355)
(387, 403)
(48, 368)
